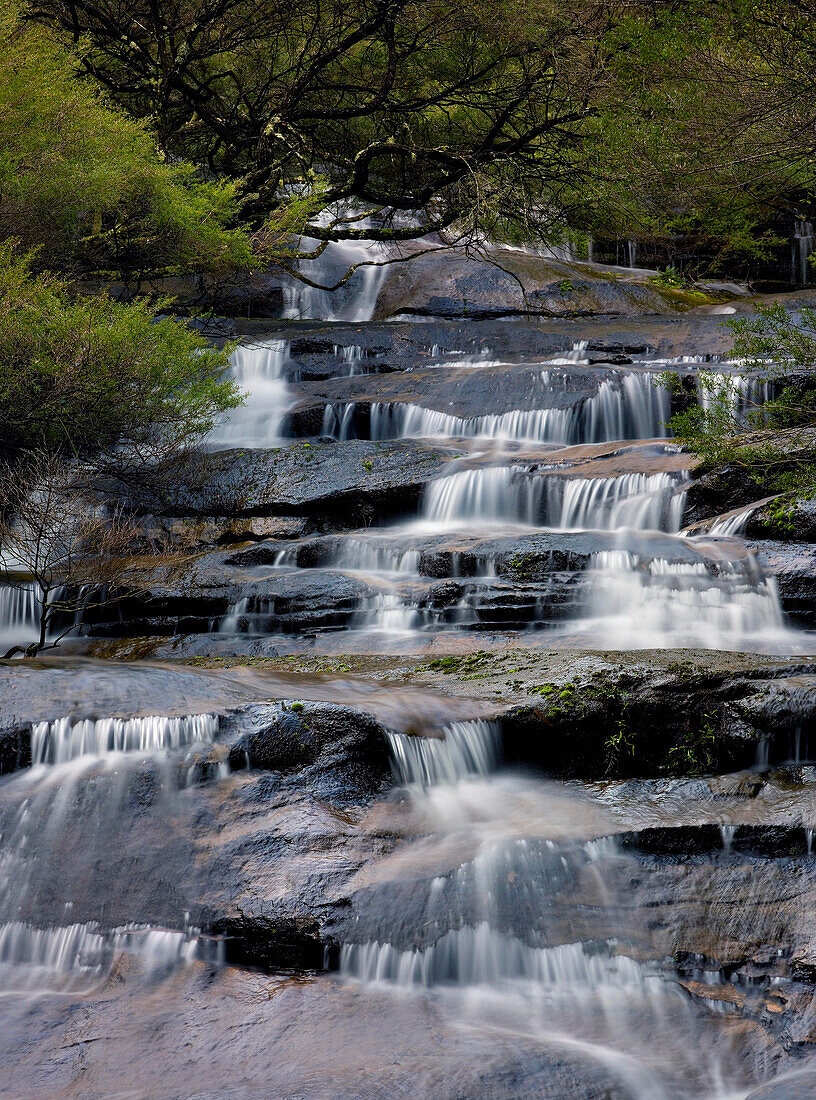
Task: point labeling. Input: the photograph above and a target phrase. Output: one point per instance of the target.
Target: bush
(85, 183)
(83, 376)
(775, 441)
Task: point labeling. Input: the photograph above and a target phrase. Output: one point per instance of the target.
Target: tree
(423, 114)
(710, 154)
(57, 536)
(84, 184)
(99, 380)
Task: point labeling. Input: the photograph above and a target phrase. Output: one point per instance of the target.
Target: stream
(325, 818)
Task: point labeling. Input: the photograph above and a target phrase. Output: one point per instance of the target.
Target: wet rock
(512, 281)
(340, 484)
(687, 840)
(168, 533)
(457, 390)
(792, 521)
(717, 491)
(291, 1037)
(793, 568)
(15, 745)
(646, 713)
(801, 1085)
(297, 735)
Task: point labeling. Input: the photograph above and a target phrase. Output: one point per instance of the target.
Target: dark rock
(342, 484)
(796, 522)
(293, 736)
(793, 568)
(15, 746)
(452, 284)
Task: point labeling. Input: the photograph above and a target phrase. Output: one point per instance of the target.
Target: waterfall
(741, 398)
(801, 249)
(64, 739)
(637, 603)
(576, 354)
(388, 613)
(69, 958)
(355, 300)
(513, 494)
(732, 525)
(365, 554)
(482, 956)
(634, 407)
(504, 940)
(642, 501)
(19, 614)
(492, 494)
(258, 369)
(464, 749)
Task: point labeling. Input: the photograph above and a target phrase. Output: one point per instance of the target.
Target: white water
(514, 494)
(743, 398)
(483, 956)
(62, 819)
(65, 739)
(258, 368)
(480, 942)
(642, 603)
(19, 614)
(73, 958)
(356, 300)
(464, 749)
(733, 525)
(801, 250)
(634, 407)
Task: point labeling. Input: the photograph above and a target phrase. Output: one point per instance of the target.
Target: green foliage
(621, 741)
(775, 441)
(83, 375)
(671, 278)
(85, 184)
(696, 752)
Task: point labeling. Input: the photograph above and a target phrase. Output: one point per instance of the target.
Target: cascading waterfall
(636, 407)
(258, 369)
(19, 614)
(487, 943)
(75, 957)
(481, 956)
(514, 494)
(642, 603)
(365, 554)
(732, 525)
(741, 397)
(576, 354)
(463, 749)
(801, 250)
(355, 300)
(66, 812)
(65, 739)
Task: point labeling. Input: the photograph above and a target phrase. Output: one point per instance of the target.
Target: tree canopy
(674, 122)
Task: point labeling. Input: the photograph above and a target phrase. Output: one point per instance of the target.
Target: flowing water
(629, 592)
(475, 907)
(511, 968)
